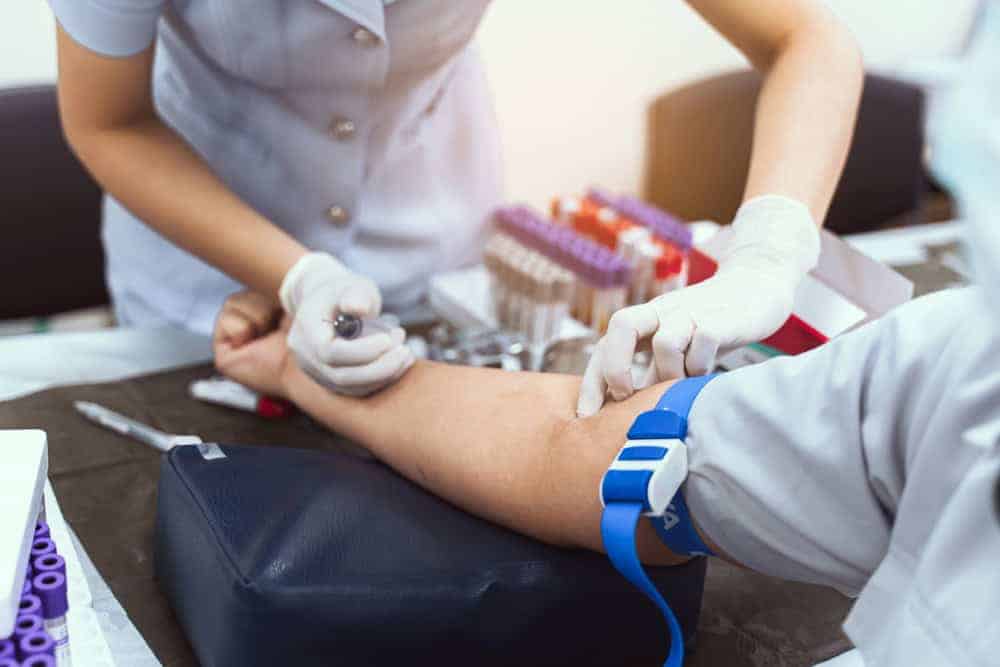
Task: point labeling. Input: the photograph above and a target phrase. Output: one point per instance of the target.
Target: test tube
(515, 277)
(51, 590)
(37, 643)
(50, 563)
(30, 605)
(564, 208)
(601, 197)
(505, 297)
(670, 270)
(8, 648)
(597, 305)
(490, 262)
(41, 530)
(659, 222)
(584, 295)
(42, 546)
(638, 251)
(38, 661)
(530, 294)
(583, 257)
(545, 279)
(611, 294)
(27, 625)
(604, 290)
(565, 284)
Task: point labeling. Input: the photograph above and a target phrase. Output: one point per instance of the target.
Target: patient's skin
(504, 446)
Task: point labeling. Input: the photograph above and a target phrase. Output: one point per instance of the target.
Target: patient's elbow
(566, 482)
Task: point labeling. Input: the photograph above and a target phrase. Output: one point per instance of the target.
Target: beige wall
(572, 77)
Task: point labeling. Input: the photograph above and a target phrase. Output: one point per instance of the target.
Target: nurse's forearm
(504, 446)
(150, 170)
(805, 120)
(807, 106)
(110, 122)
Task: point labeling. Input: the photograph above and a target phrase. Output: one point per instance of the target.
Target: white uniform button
(364, 37)
(343, 128)
(338, 215)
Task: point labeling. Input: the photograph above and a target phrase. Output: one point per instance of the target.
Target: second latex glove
(314, 291)
(774, 244)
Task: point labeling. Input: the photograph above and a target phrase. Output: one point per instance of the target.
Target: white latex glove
(314, 291)
(774, 244)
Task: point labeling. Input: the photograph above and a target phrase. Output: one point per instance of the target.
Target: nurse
(332, 155)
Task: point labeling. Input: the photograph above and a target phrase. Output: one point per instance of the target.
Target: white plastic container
(24, 466)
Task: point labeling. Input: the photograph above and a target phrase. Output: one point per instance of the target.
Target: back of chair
(699, 140)
(50, 211)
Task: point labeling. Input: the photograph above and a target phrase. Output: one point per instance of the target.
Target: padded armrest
(283, 556)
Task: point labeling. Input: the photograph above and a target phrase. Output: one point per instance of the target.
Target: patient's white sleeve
(800, 467)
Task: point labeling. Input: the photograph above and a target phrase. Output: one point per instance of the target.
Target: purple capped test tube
(39, 661)
(600, 271)
(656, 220)
(51, 590)
(30, 605)
(27, 625)
(42, 546)
(8, 648)
(41, 530)
(602, 197)
(9, 662)
(37, 643)
(50, 563)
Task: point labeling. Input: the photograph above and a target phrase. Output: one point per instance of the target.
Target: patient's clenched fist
(249, 342)
(246, 316)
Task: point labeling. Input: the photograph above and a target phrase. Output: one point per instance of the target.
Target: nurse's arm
(812, 85)
(109, 120)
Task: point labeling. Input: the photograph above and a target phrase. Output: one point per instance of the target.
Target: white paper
(86, 641)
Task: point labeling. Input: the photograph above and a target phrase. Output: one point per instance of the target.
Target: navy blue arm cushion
(278, 556)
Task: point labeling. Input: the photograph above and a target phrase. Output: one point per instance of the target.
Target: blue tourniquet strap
(618, 524)
(625, 505)
(680, 397)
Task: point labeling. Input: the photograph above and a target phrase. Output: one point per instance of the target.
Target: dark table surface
(106, 485)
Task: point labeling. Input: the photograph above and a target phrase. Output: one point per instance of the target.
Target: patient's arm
(504, 446)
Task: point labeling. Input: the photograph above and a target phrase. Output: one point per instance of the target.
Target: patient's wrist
(294, 382)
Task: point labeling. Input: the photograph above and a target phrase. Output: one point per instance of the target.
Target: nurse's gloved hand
(315, 290)
(774, 244)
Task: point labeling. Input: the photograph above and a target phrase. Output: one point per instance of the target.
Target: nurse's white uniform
(871, 468)
(364, 130)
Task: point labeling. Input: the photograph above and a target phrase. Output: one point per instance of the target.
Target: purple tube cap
(26, 589)
(9, 662)
(50, 587)
(42, 546)
(30, 604)
(37, 643)
(658, 221)
(28, 625)
(602, 197)
(7, 649)
(38, 661)
(50, 563)
(41, 529)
